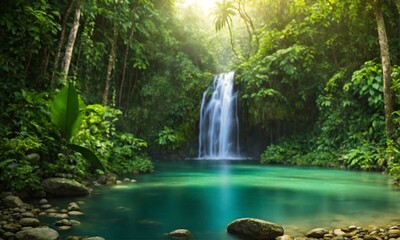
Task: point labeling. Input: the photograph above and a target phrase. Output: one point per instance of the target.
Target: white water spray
(219, 123)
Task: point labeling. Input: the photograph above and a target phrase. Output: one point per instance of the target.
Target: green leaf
(66, 111)
(88, 155)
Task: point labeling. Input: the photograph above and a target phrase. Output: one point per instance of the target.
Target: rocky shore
(23, 221)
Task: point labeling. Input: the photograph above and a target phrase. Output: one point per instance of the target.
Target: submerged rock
(317, 233)
(180, 234)
(63, 187)
(255, 228)
(37, 234)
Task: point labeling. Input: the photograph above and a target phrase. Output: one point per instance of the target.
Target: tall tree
(386, 68)
(60, 41)
(131, 35)
(71, 41)
(110, 65)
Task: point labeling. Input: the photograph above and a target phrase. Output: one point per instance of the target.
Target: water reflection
(205, 197)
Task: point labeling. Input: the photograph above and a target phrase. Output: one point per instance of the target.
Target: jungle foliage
(309, 76)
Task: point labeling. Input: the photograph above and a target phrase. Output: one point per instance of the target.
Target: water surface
(204, 196)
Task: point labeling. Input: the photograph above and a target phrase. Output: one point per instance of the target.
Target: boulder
(12, 202)
(63, 187)
(255, 228)
(317, 233)
(37, 234)
(180, 234)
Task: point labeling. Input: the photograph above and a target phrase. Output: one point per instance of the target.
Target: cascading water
(219, 123)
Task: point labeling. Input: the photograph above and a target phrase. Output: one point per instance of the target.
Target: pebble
(64, 228)
(63, 222)
(317, 233)
(75, 222)
(46, 206)
(75, 213)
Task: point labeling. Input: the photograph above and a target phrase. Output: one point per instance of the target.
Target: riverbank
(21, 220)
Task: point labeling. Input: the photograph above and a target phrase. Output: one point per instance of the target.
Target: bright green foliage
(119, 152)
(67, 111)
(169, 139)
(25, 128)
(365, 157)
(223, 14)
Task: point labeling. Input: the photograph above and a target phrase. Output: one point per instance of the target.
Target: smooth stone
(338, 232)
(37, 234)
(73, 206)
(27, 215)
(118, 182)
(12, 202)
(29, 222)
(75, 213)
(126, 180)
(63, 222)
(64, 228)
(369, 237)
(12, 227)
(64, 187)
(284, 237)
(60, 215)
(63, 211)
(180, 234)
(317, 233)
(338, 238)
(46, 206)
(75, 222)
(43, 201)
(328, 236)
(8, 235)
(51, 210)
(255, 228)
(394, 233)
(133, 181)
(352, 228)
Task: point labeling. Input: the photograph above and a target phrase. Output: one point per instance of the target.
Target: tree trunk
(121, 87)
(60, 42)
(386, 69)
(110, 66)
(71, 41)
(232, 43)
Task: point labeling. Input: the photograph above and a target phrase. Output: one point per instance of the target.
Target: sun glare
(205, 4)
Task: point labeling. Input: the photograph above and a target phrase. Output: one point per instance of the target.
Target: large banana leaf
(88, 155)
(67, 110)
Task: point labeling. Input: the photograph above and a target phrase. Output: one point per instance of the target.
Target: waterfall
(219, 123)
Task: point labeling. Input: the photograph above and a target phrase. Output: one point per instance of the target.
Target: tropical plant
(67, 113)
